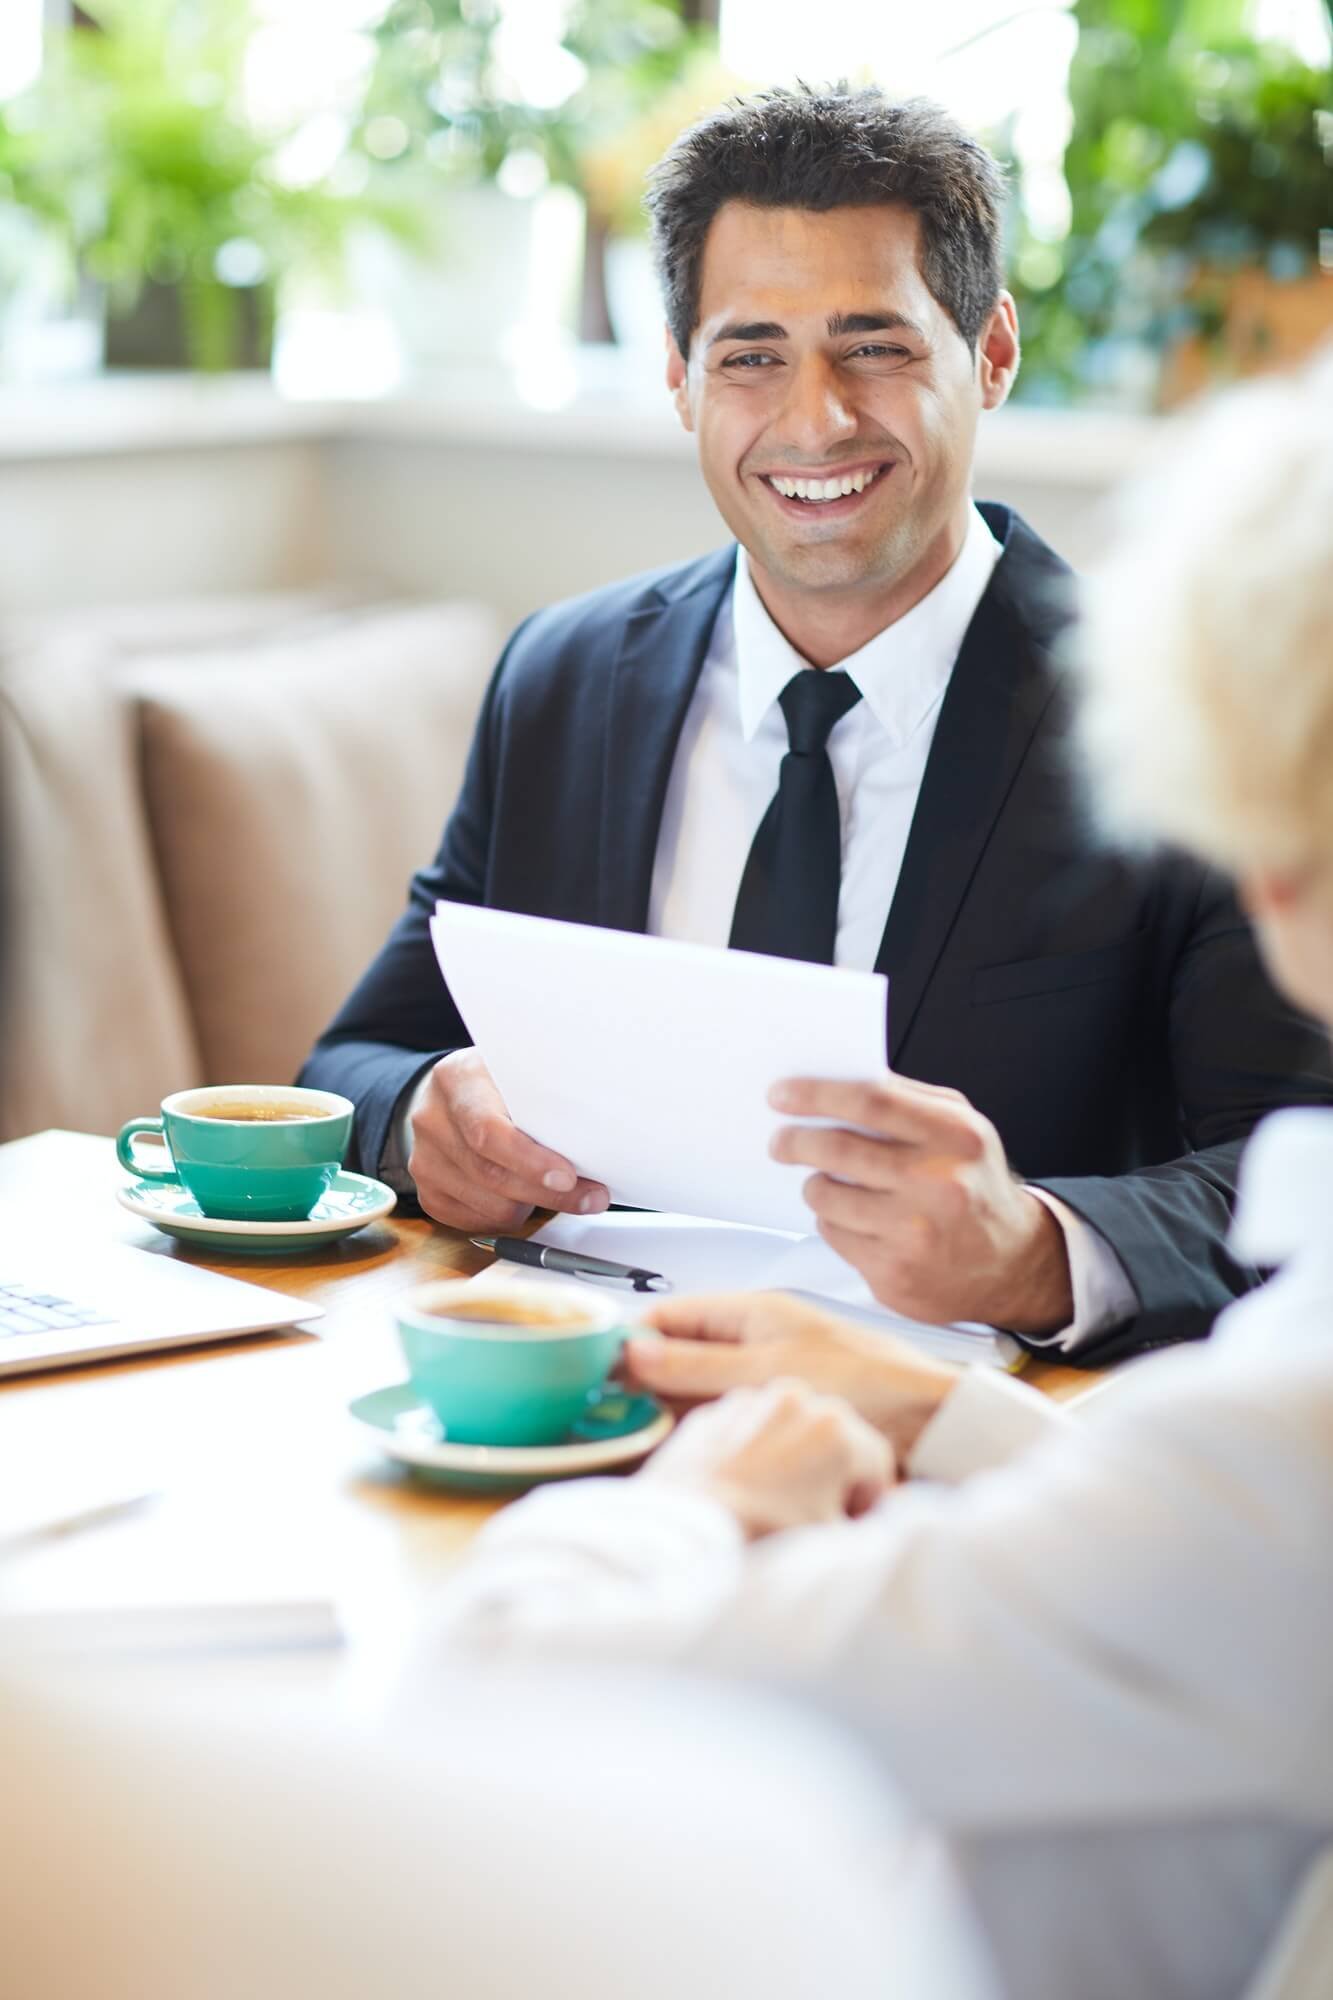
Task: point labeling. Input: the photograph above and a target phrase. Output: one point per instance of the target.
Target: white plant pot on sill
(506, 262)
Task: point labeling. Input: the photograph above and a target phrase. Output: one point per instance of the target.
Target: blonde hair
(1206, 645)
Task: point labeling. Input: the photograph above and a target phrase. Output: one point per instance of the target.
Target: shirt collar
(1284, 1204)
(902, 672)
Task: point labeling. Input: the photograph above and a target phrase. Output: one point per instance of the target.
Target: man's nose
(817, 412)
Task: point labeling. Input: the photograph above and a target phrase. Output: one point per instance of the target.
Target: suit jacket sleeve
(401, 1017)
(1237, 1052)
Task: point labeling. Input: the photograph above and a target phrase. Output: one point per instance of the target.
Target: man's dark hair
(833, 148)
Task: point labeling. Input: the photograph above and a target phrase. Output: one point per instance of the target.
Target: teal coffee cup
(247, 1152)
(507, 1364)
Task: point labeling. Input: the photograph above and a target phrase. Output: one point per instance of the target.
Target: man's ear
(998, 353)
(677, 381)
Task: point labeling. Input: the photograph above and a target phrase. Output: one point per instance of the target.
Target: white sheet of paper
(646, 1062)
(699, 1256)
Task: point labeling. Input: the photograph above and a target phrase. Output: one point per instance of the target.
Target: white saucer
(352, 1201)
(403, 1426)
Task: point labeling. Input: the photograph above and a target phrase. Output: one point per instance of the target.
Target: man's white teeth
(824, 489)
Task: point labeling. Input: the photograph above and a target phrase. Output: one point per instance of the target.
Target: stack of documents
(647, 1064)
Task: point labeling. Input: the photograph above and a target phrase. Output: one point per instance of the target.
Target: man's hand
(780, 1457)
(472, 1166)
(712, 1345)
(920, 1199)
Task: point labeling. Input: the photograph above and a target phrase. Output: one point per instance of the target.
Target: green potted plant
(1198, 169)
(442, 78)
(137, 155)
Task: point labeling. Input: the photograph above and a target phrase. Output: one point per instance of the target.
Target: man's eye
(750, 361)
(878, 351)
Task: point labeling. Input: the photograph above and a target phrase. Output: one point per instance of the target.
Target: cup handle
(125, 1152)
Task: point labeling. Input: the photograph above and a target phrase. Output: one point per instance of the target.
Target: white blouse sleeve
(1136, 1610)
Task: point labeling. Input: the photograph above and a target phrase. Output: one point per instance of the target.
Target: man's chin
(826, 566)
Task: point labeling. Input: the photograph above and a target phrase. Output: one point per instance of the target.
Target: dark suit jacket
(1109, 1014)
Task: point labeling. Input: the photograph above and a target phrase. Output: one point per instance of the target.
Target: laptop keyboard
(25, 1311)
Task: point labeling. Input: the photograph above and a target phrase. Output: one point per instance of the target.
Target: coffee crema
(260, 1113)
(526, 1311)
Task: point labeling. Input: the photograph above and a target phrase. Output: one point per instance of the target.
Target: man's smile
(836, 493)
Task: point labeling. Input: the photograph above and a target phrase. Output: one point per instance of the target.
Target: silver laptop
(61, 1305)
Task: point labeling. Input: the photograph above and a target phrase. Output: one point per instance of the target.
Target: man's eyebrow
(837, 323)
(754, 329)
(878, 322)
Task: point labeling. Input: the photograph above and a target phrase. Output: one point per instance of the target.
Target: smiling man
(843, 740)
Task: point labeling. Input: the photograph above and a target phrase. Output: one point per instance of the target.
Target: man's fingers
(496, 1161)
(855, 1210)
(587, 1198)
(494, 1138)
(694, 1370)
(491, 1192)
(457, 1208)
(870, 1163)
(532, 1173)
(890, 1107)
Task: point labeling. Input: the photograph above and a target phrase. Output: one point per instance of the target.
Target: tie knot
(812, 702)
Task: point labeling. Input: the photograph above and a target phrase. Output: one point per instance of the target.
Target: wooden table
(264, 1474)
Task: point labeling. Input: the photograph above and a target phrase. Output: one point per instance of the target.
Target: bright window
(20, 44)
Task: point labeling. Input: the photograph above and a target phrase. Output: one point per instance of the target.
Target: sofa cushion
(291, 790)
(96, 1025)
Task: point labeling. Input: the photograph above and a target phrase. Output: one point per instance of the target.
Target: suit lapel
(1001, 685)
(661, 656)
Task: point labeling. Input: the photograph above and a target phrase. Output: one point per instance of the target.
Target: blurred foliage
(442, 75)
(1195, 150)
(135, 155)
(449, 86)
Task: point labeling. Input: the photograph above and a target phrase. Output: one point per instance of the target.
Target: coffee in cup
(247, 1152)
(533, 1306)
(507, 1363)
(260, 1114)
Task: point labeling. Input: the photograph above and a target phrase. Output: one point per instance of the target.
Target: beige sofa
(211, 812)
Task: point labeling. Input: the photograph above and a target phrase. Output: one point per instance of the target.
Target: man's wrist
(1041, 1297)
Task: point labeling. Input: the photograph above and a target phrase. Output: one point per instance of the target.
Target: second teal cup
(258, 1152)
(511, 1365)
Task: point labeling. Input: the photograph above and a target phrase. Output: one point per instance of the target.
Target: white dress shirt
(1122, 1617)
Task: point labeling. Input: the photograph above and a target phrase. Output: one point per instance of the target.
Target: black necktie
(788, 901)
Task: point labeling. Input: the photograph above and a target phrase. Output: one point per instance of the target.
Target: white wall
(115, 527)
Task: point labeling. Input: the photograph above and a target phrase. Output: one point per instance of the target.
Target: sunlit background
(367, 192)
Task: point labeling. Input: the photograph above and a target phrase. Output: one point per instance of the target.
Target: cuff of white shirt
(1103, 1292)
(986, 1421)
(392, 1169)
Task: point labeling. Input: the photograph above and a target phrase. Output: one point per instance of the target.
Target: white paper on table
(646, 1062)
(699, 1256)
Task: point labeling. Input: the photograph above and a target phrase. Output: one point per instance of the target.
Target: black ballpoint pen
(545, 1257)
